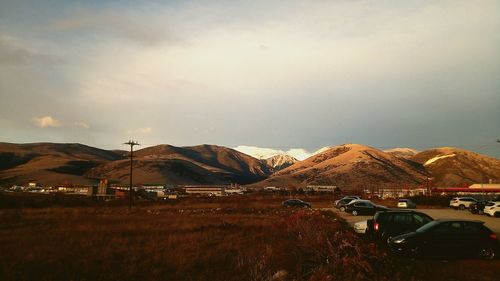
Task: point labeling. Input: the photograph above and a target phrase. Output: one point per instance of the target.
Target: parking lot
(445, 213)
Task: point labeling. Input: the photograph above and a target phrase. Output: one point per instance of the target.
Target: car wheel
(487, 253)
(354, 213)
(497, 214)
(461, 207)
(342, 209)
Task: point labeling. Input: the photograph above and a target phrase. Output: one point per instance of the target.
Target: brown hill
(350, 166)
(50, 163)
(449, 166)
(203, 164)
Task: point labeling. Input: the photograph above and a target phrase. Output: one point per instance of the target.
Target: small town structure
(396, 192)
(207, 190)
(477, 188)
(273, 188)
(321, 188)
(102, 191)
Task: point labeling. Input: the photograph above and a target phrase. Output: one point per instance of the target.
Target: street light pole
(132, 144)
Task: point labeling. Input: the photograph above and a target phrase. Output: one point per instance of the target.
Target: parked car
(363, 207)
(361, 227)
(477, 207)
(346, 198)
(444, 238)
(296, 203)
(390, 223)
(340, 204)
(406, 203)
(493, 210)
(462, 202)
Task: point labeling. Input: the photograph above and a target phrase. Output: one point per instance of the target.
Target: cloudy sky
(277, 74)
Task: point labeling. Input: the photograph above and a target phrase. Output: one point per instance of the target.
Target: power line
(132, 144)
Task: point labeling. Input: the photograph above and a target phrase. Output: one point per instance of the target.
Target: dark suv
(477, 207)
(386, 224)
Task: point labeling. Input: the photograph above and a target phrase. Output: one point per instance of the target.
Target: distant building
(477, 188)
(102, 191)
(396, 192)
(235, 190)
(485, 186)
(272, 188)
(321, 188)
(208, 190)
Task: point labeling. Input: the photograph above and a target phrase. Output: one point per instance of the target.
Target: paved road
(491, 222)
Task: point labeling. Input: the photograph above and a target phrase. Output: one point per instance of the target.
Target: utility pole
(130, 195)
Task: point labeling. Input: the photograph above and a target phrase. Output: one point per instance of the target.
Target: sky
(275, 74)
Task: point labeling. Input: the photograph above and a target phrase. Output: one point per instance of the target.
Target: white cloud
(82, 125)
(140, 131)
(46, 121)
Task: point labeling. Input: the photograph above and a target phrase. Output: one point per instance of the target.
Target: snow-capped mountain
(280, 161)
(402, 152)
(351, 166)
(264, 153)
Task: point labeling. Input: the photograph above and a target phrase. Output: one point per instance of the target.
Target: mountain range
(449, 166)
(353, 166)
(202, 164)
(349, 166)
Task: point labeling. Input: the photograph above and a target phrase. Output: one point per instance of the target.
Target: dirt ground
(229, 238)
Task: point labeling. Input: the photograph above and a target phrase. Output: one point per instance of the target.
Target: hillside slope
(449, 166)
(50, 163)
(202, 164)
(350, 166)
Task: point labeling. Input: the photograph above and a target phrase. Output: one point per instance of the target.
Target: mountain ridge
(349, 165)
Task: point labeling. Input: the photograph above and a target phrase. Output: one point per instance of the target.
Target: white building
(321, 188)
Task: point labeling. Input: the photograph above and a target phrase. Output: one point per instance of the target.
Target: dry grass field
(232, 238)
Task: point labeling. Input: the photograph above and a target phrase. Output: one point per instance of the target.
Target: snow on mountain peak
(264, 153)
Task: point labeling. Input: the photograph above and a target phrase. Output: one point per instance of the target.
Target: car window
(428, 227)
(383, 217)
(472, 228)
(419, 219)
(403, 219)
(448, 228)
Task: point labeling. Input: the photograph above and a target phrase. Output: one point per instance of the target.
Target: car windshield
(427, 226)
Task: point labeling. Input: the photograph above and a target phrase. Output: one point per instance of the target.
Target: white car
(462, 202)
(360, 227)
(493, 211)
(406, 203)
